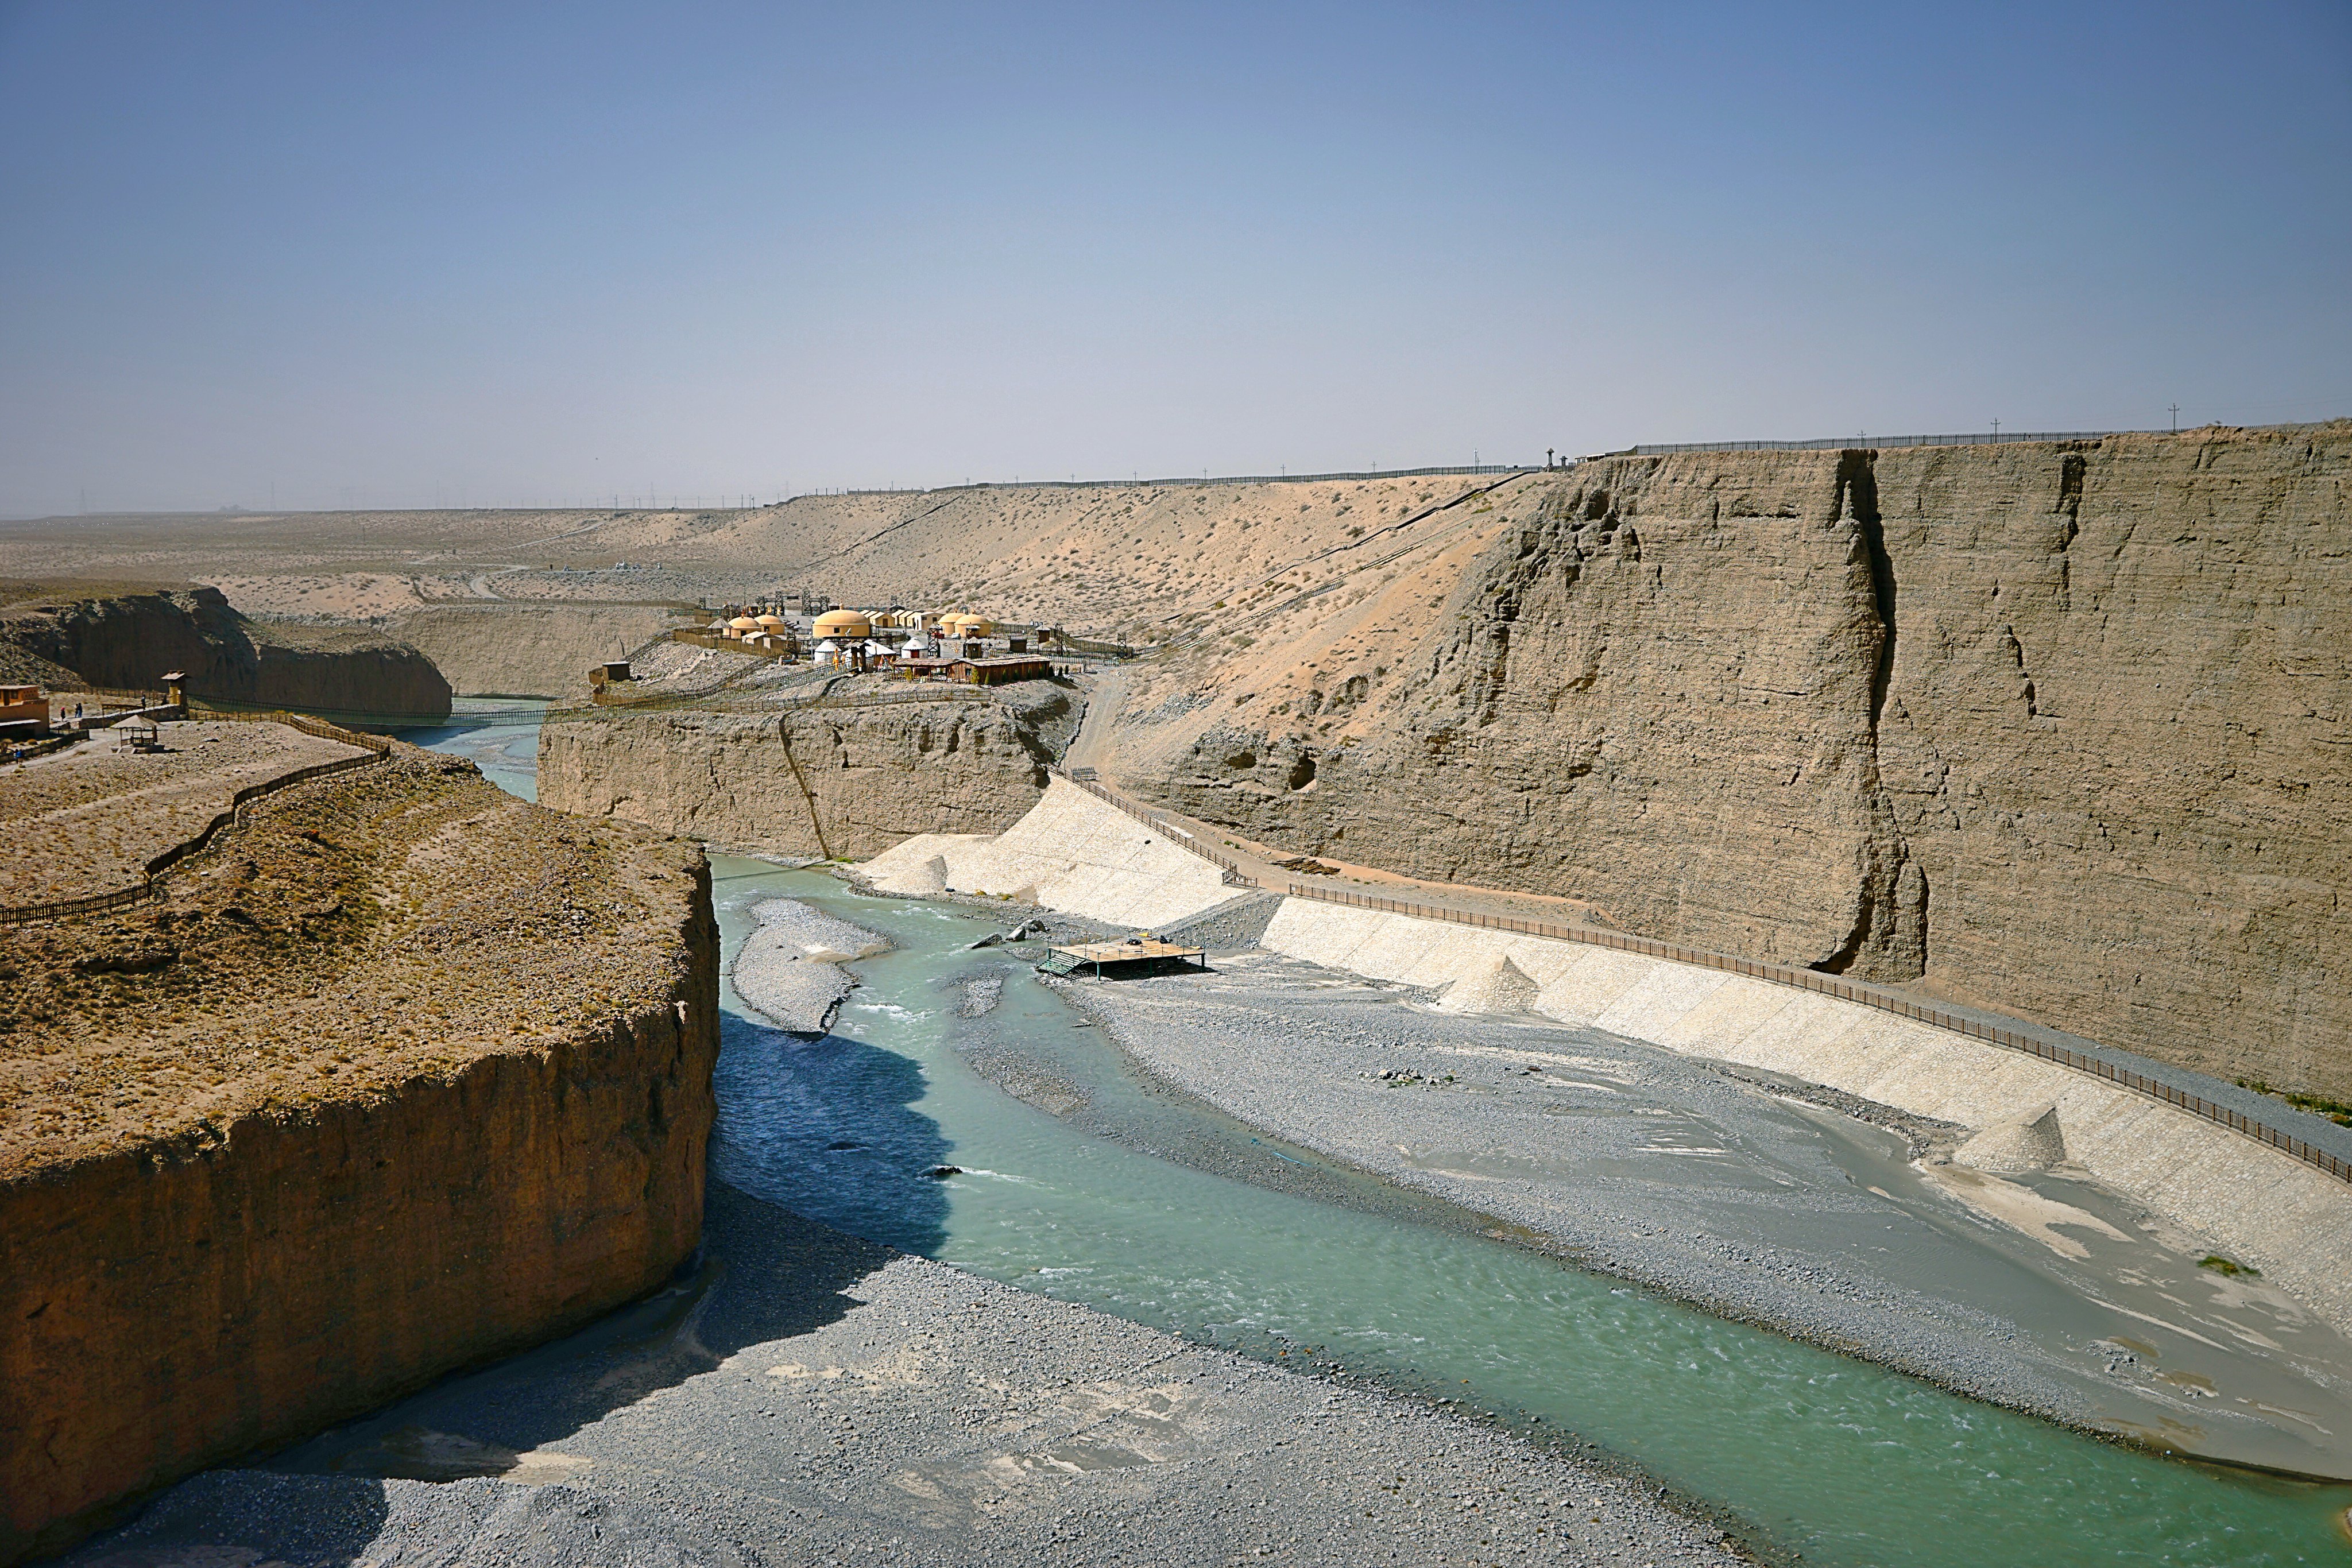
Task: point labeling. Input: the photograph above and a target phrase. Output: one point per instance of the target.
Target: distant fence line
(1865, 442)
(152, 875)
(1188, 479)
(1845, 990)
(106, 696)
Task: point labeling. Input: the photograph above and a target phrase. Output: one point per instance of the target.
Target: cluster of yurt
(963, 624)
(845, 640)
(765, 633)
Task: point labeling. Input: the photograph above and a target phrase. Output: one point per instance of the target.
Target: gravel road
(809, 1397)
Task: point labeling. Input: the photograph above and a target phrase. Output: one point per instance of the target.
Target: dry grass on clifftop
(355, 932)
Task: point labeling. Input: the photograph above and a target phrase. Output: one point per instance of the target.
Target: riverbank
(1763, 1201)
(790, 967)
(398, 1074)
(1808, 1456)
(810, 1396)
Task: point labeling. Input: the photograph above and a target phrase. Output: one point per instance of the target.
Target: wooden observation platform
(1114, 960)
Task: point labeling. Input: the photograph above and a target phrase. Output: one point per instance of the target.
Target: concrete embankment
(2251, 1202)
(1071, 852)
(402, 1074)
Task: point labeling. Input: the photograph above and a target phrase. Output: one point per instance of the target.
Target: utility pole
(2176, 419)
(1996, 432)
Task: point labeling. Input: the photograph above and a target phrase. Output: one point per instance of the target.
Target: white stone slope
(1071, 852)
(1076, 853)
(2251, 1202)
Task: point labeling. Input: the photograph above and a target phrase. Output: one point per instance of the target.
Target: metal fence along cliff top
(1857, 442)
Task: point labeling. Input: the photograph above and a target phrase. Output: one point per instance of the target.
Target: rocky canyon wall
(2058, 728)
(129, 640)
(403, 1075)
(527, 651)
(842, 782)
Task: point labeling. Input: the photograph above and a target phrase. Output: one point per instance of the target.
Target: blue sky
(400, 254)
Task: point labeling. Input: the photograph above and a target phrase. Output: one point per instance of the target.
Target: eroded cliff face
(129, 640)
(402, 1074)
(527, 651)
(2056, 727)
(842, 782)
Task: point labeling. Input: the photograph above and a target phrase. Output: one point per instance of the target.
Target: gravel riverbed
(789, 969)
(809, 1397)
(1761, 1201)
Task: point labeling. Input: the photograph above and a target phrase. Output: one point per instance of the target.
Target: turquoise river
(1809, 1455)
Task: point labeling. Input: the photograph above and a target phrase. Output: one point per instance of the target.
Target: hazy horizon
(274, 256)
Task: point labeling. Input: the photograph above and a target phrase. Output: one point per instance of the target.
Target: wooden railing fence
(150, 879)
(1183, 838)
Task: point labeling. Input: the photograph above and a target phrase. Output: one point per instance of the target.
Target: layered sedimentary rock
(400, 1074)
(2058, 728)
(840, 781)
(2053, 727)
(527, 651)
(130, 639)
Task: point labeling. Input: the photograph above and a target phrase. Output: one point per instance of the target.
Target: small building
(997, 671)
(24, 713)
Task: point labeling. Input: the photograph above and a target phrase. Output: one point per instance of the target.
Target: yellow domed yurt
(843, 623)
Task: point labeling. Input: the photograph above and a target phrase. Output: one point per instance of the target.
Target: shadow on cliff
(824, 1125)
(819, 1166)
(821, 1124)
(763, 1274)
